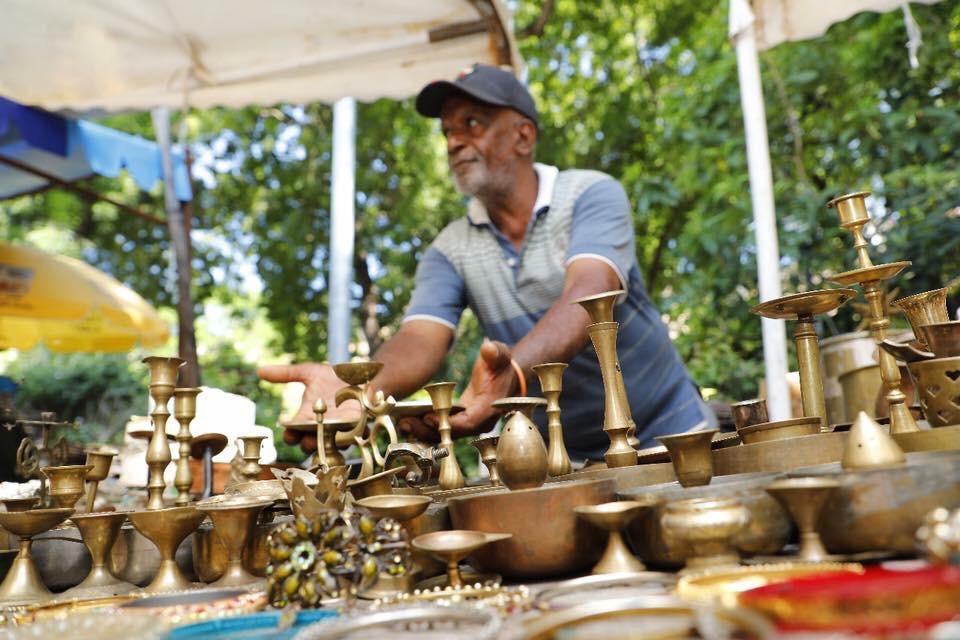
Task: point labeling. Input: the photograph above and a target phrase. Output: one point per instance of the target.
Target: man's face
(481, 144)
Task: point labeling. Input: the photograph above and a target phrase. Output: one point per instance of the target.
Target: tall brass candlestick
(441, 394)
(184, 410)
(617, 420)
(163, 380)
(551, 382)
(853, 214)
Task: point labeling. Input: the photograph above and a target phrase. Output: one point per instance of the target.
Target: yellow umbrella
(69, 306)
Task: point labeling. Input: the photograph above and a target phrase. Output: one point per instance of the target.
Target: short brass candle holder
(184, 410)
(403, 509)
(23, 583)
(617, 418)
(453, 546)
(551, 383)
(613, 517)
(203, 447)
(802, 307)
(441, 394)
(707, 526)
(853, 217)
(233, 522)
(803, 498)
(99, 532)
(250, 452)
(66, 483)
(691, 455)
(928, 307)
(99, 459)
(167, 528)
(163, 380)
(487, 447)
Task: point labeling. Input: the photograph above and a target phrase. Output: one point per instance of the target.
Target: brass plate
(870, 274)
(59, 608)
(419, 408)
(723, 584)
(780, 430)
(806, 303)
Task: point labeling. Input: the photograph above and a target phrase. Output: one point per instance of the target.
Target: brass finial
(869, 445)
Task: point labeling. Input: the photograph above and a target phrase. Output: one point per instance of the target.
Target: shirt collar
(546, 179)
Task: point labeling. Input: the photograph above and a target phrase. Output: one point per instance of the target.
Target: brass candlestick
(250, 452)
(802, 307)
(612, 517)
(233, 522)
(66, 483)
(23, 583)
(853, 214)
(99, 461)
(99, 532)
(167, 528)
(929, 307)
(803, 498)
(441, 394)
(551, 382)
(163, 380)
(487, 447)
(184, 410)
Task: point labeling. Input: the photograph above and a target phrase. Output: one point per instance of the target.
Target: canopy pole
(180, 242)
(764, 217)
(342, 229)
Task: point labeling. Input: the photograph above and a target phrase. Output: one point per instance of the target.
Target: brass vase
(163, 380)
(521, 454)
(184, 410)
(707, 526)
(551, 383)
(441, 394)
(691, 455)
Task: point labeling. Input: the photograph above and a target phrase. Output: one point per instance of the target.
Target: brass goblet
(99, 532)
(551, 383)
(441, 394)
(184, 410)
(14, 505)
(928, 307)
(167, 528)
(803, 498)
(233, 522)
(707, 526)
(100, 460)
(691, 456)
(66, 483)
(402, 508)
(613, 517)
(250, 452)
(23, 583)
(163, 380)
(453, 546)
(487, 447)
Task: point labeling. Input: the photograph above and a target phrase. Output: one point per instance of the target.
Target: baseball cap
(484, 83)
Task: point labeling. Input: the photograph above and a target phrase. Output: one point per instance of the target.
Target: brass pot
(768, 530)
(880, 509)
(548, 537)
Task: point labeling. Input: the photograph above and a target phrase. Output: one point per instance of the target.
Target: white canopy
(117, 55)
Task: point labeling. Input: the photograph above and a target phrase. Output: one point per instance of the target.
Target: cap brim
(431, 98)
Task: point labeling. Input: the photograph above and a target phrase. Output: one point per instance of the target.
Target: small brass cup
(691, 456)
(66, 483)
(707, 526)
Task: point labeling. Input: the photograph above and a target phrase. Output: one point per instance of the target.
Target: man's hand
(319, 382)
(492, 378)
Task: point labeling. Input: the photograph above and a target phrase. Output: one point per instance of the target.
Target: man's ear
(526, 137)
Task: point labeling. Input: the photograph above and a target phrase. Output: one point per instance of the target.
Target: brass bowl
(548, 538)
(779, 430)
(768, 530)
(938, 384)
(943, 338)
(880, 509)
(210, 555)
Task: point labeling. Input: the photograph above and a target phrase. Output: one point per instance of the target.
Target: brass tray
(724, 584)
(419, 408)
(936, 439)
(780, 455)
(780, 430)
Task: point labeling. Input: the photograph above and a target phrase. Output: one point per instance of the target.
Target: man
(533, 240)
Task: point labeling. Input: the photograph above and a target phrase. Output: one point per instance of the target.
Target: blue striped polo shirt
(579, 214)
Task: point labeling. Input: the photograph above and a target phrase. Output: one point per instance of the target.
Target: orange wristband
(522, 379)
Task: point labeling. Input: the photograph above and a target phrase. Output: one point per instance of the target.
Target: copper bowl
(779, 430)
(943, 338)
(768, 530)
(880, 509)
(548, 537)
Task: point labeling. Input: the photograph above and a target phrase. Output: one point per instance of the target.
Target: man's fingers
(495, 354)
(283, 372)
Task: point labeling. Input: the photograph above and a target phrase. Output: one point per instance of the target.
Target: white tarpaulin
(779, 21)
(139, 54)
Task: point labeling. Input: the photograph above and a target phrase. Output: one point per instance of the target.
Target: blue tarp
(74, 149)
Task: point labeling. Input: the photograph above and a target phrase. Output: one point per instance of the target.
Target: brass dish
(548, 538)
(572, 592)
(420, 408)
(780, 430)
(724, 584)
(257, 489)
(768, 530)
(453, 546)
(62, 607)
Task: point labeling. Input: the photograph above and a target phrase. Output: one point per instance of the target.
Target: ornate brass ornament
(418, 460)
(358, 375)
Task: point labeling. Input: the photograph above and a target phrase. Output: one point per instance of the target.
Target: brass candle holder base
(23, 583)
(233, 523)
(691, 455)
(612, 517)
(453, 546)
(166, 528)
(803, 498)
(99, 532)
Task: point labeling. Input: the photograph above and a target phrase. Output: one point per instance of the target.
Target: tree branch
(536, 27)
